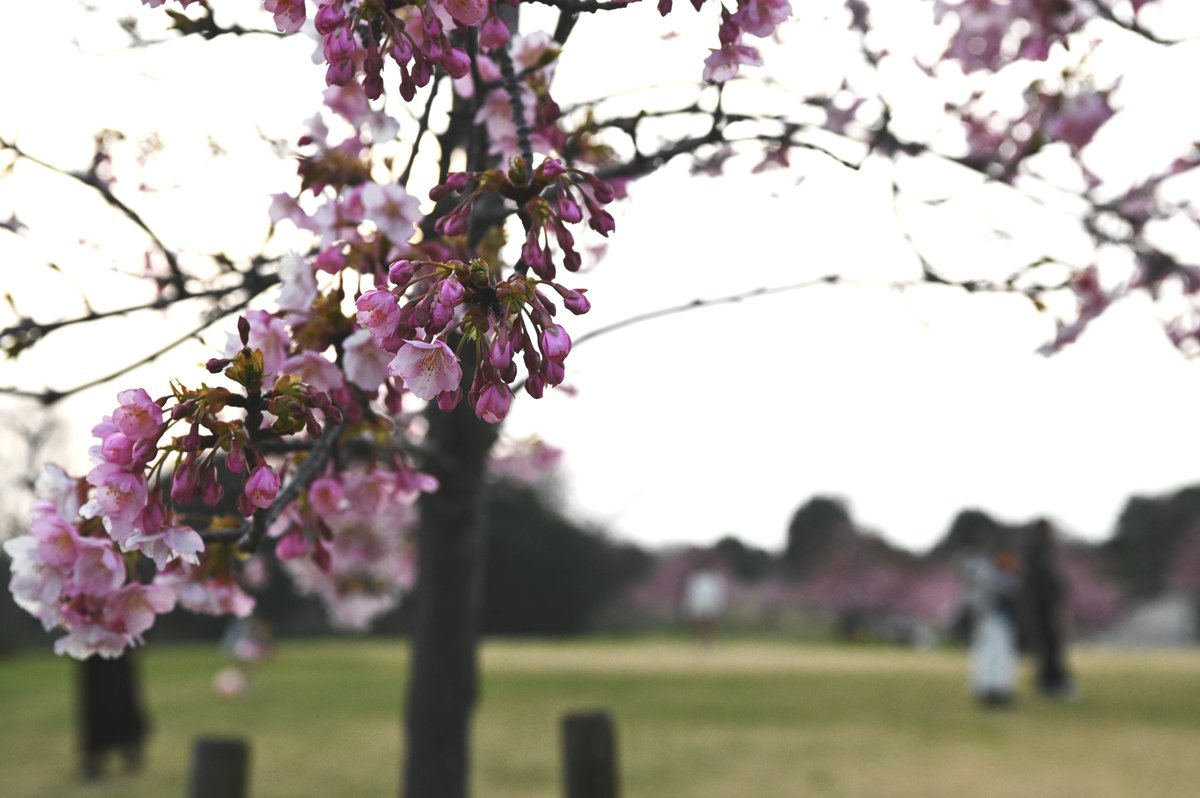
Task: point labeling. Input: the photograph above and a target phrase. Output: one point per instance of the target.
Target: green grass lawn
(745, 720)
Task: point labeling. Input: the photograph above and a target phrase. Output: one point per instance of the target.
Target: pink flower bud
(457, 63)
(339, 46)
(448, 400)
(451, 291)
(552, 168)
(401, 50)
(183, 485)
(553, 372)
(401, 272)
(452, 224)
(339, 73)
(494, 402)
(493, 34)
(534, 385)
(152, 517)
(574, 301)
(422, 71)
(143, 452)
(261, 487)
(291, 546)
(568, 209)
(328, 18)
(555, 343)
(602, 223)
(236, 459)
(211, 490)
(467, 12)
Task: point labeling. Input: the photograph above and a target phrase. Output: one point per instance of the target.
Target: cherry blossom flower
(723, 65)
(289, 14)
(392, 210)
(365, 362)
(198, 590)
(467, 12)
(426, 369)
(35, 584)
(138, 416)
(314, 370)
(378, 313)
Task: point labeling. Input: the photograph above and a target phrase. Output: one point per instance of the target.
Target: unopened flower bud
(331, 260)
(448, 400)
(493, 34)
(457, 63)
(328, 18)
(552, 168)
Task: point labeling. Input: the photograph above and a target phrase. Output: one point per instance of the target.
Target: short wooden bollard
(589, 755)
(220, 768)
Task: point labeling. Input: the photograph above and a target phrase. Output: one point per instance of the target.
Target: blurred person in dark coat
(1045, 593)
(111, 716)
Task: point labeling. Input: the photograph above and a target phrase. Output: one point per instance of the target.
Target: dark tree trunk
(444, 672)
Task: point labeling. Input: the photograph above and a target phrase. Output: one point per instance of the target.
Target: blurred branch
(421, 131)
(696, 304)
(1105, 12)
(26, 331)
(586, 6)
(91, 179)
(50, 396)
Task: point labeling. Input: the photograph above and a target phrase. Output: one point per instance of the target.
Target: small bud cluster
(549, 198)
(358, 36)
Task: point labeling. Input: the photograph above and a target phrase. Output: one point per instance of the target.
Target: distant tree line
(547, 575)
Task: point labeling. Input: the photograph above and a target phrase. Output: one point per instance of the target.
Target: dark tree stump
(220, 768)
(589, 755)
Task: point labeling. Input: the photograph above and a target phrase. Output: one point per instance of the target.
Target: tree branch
(92, 180)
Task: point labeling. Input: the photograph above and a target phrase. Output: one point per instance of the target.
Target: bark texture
(444, 670)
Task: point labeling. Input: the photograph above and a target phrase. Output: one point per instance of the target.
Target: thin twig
(421, 131)
(91, 180)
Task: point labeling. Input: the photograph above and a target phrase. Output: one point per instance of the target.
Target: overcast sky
(911, 405)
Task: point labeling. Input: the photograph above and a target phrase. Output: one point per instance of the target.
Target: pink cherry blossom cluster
(758, 18)
(1070, 118)
(349, 544)
(133, 515)
(432, 301)
(356, 37)
(549, 199)
(985, 28)
(68, 573)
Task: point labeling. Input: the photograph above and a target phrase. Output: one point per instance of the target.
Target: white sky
(911, 405)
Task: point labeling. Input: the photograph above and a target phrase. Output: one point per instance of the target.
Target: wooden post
(589, 755)
(220, 768)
